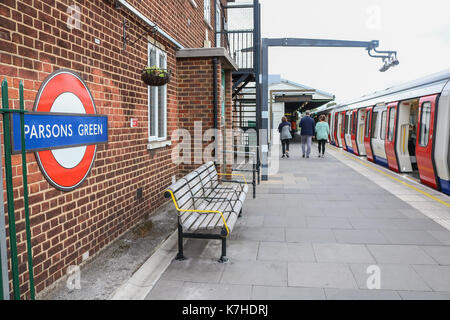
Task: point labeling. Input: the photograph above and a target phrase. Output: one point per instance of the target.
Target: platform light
(389, 61)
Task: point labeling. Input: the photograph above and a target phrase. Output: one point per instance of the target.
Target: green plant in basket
(154, 75)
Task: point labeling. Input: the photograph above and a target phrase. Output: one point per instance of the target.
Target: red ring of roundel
(56, 84)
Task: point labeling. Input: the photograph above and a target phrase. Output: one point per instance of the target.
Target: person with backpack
(284, 128)
(322, 132)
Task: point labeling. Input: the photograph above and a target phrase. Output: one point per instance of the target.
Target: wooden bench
(208, 205)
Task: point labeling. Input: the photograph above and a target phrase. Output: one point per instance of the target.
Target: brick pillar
(196, 108)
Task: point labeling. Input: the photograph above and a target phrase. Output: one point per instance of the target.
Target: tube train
(405, 128)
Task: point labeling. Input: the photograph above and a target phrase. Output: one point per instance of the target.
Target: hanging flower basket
(154, 76)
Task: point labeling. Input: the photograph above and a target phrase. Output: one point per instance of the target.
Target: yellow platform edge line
(396, 179)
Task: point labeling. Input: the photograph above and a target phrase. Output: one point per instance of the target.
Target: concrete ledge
(227, 62)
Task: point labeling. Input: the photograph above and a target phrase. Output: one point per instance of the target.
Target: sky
(418, 30)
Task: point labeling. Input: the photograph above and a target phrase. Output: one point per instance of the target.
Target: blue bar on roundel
(44, 131)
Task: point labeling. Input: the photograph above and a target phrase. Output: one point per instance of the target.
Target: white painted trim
(158, 144)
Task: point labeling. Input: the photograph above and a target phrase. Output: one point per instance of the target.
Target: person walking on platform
(307, 131)
(322, 132)
(284, 128)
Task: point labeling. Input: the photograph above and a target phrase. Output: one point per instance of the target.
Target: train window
(425, 118)
(383, 126)
(392, 113)
(354, 121)
(374, 125)
(367, 124)
(347, 123)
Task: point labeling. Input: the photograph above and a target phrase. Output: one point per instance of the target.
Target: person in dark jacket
(307, 126)
(284, 128)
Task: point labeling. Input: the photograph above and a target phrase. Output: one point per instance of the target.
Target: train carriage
(405, 128)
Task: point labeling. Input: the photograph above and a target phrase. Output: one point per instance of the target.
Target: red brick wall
(35, 41)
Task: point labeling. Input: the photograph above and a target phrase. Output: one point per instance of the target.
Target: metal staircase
(243, 36)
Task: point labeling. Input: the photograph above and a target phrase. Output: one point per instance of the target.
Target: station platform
(316, 230)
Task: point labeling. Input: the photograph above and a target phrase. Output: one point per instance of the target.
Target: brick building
(108, 43)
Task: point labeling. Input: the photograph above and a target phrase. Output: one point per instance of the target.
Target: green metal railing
(6, 112)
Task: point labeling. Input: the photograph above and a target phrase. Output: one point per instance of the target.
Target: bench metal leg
(224, 258)
(180, 255)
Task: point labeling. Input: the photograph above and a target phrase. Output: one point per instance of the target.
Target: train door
(347, 133)
(335, 128)
(379, 135)
(442, 139)
(353, 131)
(344, 146)
(361, 116)
(367, 133)
(424, 143)
(405, 145)
(391, 136)
(329, 127)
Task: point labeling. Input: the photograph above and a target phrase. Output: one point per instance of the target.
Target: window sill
(158, 144)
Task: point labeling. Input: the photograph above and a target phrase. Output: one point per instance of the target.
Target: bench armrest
(197, 211)
(234, 175)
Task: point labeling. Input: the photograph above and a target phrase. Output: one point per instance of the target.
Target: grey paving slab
(320, 275)
(270, 273)
(251, 221)
(195, 269)
(441, 254)
(287, 293)
(409, 237)
(382, 213)
(400, 254)
(418, 224)
(306, 212)
(342, 253)
(282, 251)
(359, 294)
(214, 291)
(372, 223)
(442, 236)
(425, 295)
(293, 221)
(165, 290)
(437, 277)
(343, 212)
(328, 223)
(392, 277)
(359, 236)
(262, 234)
(309, 235)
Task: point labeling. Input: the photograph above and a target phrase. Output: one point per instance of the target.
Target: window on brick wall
(218, 25)
(207, 10)
(157, 98)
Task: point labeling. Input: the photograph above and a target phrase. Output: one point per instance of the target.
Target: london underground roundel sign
(63, 130)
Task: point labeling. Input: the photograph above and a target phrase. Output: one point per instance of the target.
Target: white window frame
(153, 95)
(207, 11)
(218, 25)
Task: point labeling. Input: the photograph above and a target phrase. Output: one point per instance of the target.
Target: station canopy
(296, 97)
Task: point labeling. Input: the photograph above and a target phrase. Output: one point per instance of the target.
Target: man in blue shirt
(307, 125)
